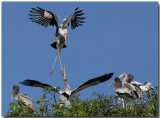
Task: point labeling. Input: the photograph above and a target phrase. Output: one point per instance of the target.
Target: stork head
(130, 78)
(15, 91)
(117, 83)
(117, 79)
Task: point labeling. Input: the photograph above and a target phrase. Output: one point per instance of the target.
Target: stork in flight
(67, 95)
(45, 18)
(22, 97)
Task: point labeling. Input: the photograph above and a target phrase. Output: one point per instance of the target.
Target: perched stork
(45, 18)
(142, 88)
(23, 97)
(126, 90)
(133, 90)
(67, 95)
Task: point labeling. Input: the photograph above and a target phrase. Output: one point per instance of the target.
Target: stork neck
(67, 87)
(16, 97)
(15, 91)
(62, 31)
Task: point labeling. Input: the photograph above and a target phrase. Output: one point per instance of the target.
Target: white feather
(65, 101)
(123, 90)
(28, 101)
(149, 85)
(137, 83)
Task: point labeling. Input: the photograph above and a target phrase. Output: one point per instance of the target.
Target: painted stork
(23, 97)
(67, 95)
(45, 18)
(126, 90)
(143, 88)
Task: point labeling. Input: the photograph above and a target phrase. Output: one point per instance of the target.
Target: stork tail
(54, 45)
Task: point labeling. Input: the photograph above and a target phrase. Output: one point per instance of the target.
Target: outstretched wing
(44, 17)
(93, 82)
(35, 83)
(76, 19)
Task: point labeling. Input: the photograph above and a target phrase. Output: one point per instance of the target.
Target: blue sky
(117, 37)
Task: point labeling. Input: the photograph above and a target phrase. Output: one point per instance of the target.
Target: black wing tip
(33, 8)
(25, 82)
(80, 14)
(40, 8)
(81, 18)
(28, 82)
(79, 21)
(107, 76)
(76, 9)
(111, 74)
(31, 18)
(31, 15)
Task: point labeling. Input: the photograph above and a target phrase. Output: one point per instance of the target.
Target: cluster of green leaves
(18, 108)
(98, 105)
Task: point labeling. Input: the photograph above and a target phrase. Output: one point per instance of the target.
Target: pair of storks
(128, 88)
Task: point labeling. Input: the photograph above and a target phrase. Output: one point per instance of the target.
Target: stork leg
(116, 100)
(123, 103)
(60, 64)
(53, 64)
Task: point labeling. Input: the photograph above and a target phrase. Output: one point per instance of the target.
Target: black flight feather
(93, 82)
(35, 83)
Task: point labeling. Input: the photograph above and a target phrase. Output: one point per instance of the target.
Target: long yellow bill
(65, 36)
(122, 75)
(64, 71)
(111, 84)
(65, 77)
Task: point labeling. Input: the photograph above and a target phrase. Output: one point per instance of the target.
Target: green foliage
(98, 105)
(18, 108)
